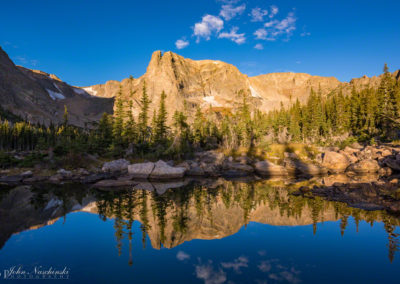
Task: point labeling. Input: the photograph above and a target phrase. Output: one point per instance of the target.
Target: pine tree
(161, 120)
(118, 124)
(143, 115)
(198, 126)
(65, 116)
(130, 126)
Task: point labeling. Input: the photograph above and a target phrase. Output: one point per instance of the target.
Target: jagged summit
(188, 83)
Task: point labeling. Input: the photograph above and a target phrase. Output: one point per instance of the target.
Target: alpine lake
(200, 231)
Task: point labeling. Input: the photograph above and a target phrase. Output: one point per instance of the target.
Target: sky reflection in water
(224, 233)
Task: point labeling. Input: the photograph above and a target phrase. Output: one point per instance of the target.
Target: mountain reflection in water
(207, 211)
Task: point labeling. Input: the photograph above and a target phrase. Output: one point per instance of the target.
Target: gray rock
(393, 164)
(240, 167)
(164, 171)
(35, 179)
(184, 165)
(64, 173)
(195, 171)
(95, 177)
(141, 170)
(27, 174)
(364, 166)
(115, 166)
(11, 179)
(267, 168)
(335, 162)
(56, 178)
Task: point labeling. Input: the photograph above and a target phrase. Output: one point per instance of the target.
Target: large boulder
(232, 169)
(163, 171)
(335, 162)
(141, 170)
(266, 168)
(115, 166)
(393, 164)
(296, 166)
(364, 166)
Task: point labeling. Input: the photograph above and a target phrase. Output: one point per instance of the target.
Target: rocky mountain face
(208, 83)
(189, 84)
(40, 97)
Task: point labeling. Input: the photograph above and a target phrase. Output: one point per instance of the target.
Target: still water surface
(223, 232)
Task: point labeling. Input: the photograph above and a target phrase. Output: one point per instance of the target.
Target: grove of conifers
(365, 115)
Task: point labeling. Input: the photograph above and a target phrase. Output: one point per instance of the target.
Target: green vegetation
(367, 115)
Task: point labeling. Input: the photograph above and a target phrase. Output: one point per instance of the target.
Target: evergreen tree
(143, 115)
(161, 121)
(118, 124)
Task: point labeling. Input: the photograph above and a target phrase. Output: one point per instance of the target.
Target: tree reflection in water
(220, 210)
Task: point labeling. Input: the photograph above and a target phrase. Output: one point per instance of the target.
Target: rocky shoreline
(382, 161)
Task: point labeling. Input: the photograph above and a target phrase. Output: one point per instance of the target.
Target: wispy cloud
(275, 28)
(214, 25)
(209, 24)
(228, 11)
(23, 60)
(274, 11)
(234, 36)
(207, 273)
(181, 43)
(264, 266)
(261, 34)
(181, 255)
(258, 14)
(236, 264)
(259, 46)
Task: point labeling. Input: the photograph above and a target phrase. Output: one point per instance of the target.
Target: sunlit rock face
(40, 97)
(218, 85)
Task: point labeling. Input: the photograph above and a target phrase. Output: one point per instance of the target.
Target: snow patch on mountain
(55, 95)
(90, 91)
(211, 100)
(254, 93)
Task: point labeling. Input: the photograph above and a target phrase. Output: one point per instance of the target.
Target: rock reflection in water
(183, 212)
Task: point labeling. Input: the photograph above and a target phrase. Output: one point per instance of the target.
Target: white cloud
(181, 255)
(257, 14)
(261, 34)
(305, 33)
(287, 24)
(275, 28)
(274, 11)
(208, 25)
(207, 273)
(234, 36)
(236, 264)
(259, 46)
(264, 266)
(181, 43)
(228, 12)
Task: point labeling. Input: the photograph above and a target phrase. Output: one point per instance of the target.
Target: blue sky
(88, 42)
